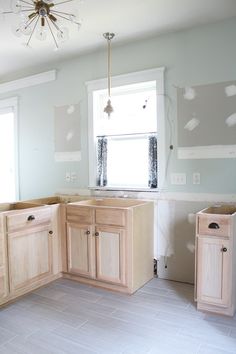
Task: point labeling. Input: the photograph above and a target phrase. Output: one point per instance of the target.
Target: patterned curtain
(102, 162)
(152, 149)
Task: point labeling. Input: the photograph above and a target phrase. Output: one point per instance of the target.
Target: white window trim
(157, 75)
(13, 103)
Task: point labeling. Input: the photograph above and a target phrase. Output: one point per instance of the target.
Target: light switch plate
(196, 178)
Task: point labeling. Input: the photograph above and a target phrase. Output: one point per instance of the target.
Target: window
(123, 149)
(8, 156)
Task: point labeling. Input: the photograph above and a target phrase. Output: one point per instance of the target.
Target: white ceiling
(128, 19)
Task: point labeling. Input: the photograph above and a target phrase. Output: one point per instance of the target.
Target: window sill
(125, 189)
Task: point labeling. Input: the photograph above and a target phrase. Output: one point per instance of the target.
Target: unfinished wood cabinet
(110, 246)
(29, 248)
(215, 260)
(3, 262)
(95, 251)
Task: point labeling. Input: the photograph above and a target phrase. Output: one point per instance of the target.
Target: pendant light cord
(109, 67)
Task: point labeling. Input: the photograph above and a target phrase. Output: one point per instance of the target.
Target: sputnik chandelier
(41, 17)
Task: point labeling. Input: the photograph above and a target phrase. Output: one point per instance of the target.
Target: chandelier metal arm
(26, 2)
(63, 13)
(33, 28)
(28, 23)
(55, 25)
(63, 2)
(52, 33)
(65, 17)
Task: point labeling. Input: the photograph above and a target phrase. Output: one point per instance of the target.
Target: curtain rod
(120, 135)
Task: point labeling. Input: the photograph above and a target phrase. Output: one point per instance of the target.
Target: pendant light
(109, 36)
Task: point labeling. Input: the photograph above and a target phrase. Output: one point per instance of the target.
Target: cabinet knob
(213, 225)
(96, 233)
(88, 232)
(224, 249)
(31, 217)
(50, 232)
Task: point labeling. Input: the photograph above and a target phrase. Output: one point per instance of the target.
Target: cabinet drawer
(214, 225)
(28, 218)
(77, 214)
(110, 217)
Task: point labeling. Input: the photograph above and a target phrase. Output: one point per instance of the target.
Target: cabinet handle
(31, 217)
(224, 249)
(213, 225)
(88, 232)
(50, 232)
(96, 233)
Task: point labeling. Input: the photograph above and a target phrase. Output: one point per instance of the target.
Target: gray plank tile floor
(67, 317)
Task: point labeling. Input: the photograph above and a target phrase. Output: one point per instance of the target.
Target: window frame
(13, 104)
(156, 75)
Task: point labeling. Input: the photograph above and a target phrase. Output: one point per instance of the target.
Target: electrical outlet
(73, 176)
(68, 176)
(178, 178)
(196, 178)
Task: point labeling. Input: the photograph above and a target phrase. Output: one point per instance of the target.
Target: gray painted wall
(193, 57)
(198, 56)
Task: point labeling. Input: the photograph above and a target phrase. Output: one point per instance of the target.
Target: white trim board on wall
(28, 81)
(207, 152)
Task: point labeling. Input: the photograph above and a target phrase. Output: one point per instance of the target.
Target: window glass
(7, 157)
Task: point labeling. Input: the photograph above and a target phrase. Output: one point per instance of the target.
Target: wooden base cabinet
(110, 247)
(29, 236)
(215, 260)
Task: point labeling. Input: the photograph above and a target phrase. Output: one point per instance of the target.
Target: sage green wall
(193, 57)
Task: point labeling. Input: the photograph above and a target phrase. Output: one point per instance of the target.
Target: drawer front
(110, 217)
(28, 218)
(214, 225)
(79, 215)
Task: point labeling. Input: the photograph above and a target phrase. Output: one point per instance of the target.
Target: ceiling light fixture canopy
(38, 16)
(109, 36)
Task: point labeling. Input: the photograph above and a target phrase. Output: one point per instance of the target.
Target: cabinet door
(110, 254)
(213, 271)
(30, 256)
(80, 249)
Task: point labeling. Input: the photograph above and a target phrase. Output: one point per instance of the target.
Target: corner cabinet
(29, 237)
(109, 246)
(215, 260)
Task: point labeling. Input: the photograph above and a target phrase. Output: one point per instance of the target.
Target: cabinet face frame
(22, 234)
(214, 271)
(88, 258)
(118, 275)
(4, 285)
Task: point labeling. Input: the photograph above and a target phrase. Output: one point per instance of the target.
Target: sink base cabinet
(113, 249)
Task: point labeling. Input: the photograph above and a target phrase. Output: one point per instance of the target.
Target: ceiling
(128, 19)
